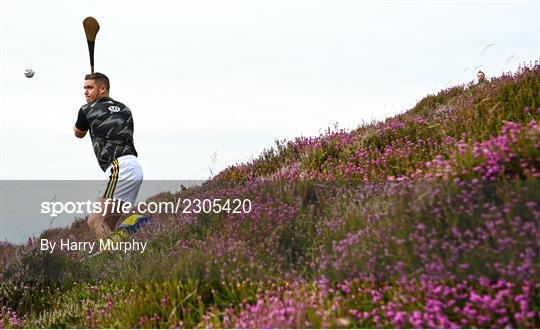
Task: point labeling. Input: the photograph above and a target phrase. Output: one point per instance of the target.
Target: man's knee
(103, 223)
(94, 220)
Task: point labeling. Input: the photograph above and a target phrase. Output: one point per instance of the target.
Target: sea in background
(21, 201)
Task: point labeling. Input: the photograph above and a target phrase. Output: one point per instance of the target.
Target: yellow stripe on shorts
(114, 178)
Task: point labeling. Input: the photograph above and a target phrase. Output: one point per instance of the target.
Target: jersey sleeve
(82, 122)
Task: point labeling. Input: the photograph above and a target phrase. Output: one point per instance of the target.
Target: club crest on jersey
(114, 108)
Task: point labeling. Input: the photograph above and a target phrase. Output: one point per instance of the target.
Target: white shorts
(124, 177)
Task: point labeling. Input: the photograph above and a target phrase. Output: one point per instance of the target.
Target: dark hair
(480, 72)
(99, 78)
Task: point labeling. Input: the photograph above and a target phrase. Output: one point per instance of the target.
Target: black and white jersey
(111, 129)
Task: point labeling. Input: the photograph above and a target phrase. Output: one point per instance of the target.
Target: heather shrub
(30, 280)
(427, 219)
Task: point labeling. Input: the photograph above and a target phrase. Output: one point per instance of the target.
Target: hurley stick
(91, 28)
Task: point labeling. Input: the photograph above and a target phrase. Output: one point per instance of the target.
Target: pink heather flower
(464, 266)
(165, 302)
(462, 147)
(526, 110)
(399, 319)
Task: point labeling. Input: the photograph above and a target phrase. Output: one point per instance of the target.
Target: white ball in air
(29, 73)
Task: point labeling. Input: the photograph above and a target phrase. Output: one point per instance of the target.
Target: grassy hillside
(428, 219)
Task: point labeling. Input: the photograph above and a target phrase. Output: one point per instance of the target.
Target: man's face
(480, 76)
(93, 90)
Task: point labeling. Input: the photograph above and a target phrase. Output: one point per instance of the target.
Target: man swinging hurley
(111, 129)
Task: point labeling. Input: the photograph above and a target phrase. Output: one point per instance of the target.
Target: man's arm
(78, 133)
(81, 126)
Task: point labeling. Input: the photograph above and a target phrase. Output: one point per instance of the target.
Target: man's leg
(104, 222)
(124, 183)
(96, 221)
(111, 218)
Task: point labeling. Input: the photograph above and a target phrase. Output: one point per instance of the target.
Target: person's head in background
(481, 77)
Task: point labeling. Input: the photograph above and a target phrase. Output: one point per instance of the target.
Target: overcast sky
(230, 77)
